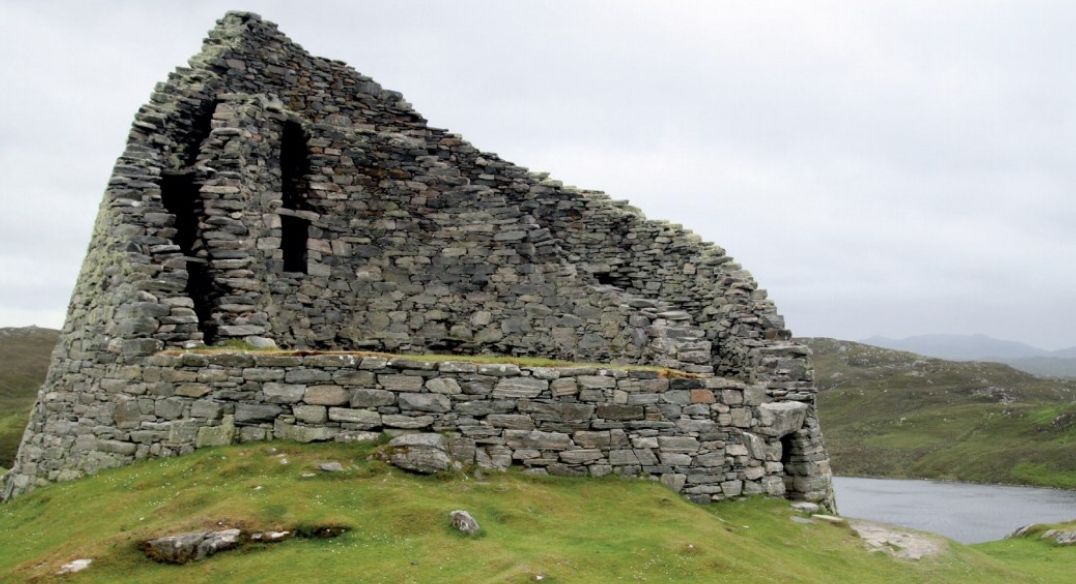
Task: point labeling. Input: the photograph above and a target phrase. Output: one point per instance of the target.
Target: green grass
(565, 530)
(1047, 561)
(894, 414)
(24, 353)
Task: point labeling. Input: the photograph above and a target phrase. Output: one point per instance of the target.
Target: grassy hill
(549, 529)
(24, 355)
(1045, 366)
(894, 414)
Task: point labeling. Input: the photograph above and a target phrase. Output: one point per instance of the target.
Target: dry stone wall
(707, 437)
(283, 199)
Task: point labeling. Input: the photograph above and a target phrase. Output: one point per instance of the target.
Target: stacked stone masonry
(707, 437)
(271, 196)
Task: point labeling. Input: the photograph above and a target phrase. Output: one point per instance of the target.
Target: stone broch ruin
(269, 196)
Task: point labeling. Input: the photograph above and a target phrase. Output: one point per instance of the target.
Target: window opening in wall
(180, 197)
(294, 166)
(293, 236)
(179, 194)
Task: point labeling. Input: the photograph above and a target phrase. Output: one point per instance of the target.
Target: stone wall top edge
(365, 359)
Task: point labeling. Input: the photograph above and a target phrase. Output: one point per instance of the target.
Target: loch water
(965, 512)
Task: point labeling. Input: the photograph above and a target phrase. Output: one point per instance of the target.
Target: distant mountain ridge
(1035, 360)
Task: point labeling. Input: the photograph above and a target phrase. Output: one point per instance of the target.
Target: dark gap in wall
(190, 145)
(293, 235)
(605, 278)
(789, 444)
(180, 196)
(294, 166)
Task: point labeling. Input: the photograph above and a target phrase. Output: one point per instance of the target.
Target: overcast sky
(894, 168)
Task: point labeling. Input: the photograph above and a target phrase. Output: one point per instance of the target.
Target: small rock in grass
(1065, 537)
(464, 522)
(270, 536)
(180, 549)
(74, 566)
(830, 519)
(331, 467)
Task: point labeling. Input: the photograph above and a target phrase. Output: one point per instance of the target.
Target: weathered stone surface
(595, 382)
(283, 393)
(221, 435)
(424, 440)
(498, 369)
(1064, 537)
(370, 398)
(783, 418)
(444, 385)
(310, 414)
(421, 453)
(620, 412)
(424, 402)
(285, 431)
(410, 422)
(326, 395)
(678, 444)
(180, 549)
(513, 421)
(536, 440)
(463, 521)
(581, 456)
(365, 417)
(355, 378)
(307, 375)
(254, 413)
(519, 387)
(193, 389)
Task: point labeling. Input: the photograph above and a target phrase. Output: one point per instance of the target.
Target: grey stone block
(255, 413)
(424, 402)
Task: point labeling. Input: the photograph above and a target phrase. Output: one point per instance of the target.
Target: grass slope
(24, 353)
(533, 528)
(894, 414)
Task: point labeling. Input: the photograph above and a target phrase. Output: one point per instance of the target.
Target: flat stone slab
(899, 542)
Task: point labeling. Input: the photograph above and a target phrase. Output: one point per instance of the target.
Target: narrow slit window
(293, 236)
(294, 166)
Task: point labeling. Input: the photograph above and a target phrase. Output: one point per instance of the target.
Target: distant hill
(959, 347)
(24, 361)
(1061, 363)
(897, 414)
